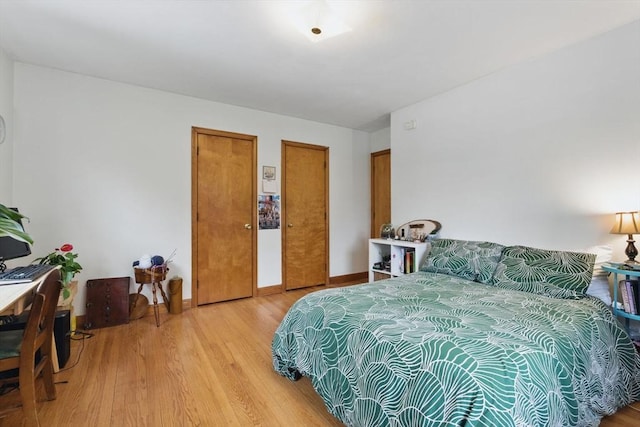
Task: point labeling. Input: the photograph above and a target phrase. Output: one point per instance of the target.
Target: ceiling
(249, 53)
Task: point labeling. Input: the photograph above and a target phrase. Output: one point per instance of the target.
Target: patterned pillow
(463, 258)
(558, 274)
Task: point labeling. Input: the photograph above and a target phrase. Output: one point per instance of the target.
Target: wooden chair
(18, 350)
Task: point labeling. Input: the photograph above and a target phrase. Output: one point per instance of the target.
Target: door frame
(194, 205)
(376, 233)
(283, 145)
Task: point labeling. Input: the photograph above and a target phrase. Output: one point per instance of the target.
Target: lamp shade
(626, 223)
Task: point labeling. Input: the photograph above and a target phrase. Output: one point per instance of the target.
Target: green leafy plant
(10, 225)
(69, 267)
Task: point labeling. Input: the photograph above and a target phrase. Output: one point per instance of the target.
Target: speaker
(62, 336)
(61, 332)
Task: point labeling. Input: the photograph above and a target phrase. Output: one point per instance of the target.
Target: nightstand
(629, 274)
(400, 256)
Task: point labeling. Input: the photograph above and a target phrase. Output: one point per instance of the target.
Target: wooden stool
(153, 276)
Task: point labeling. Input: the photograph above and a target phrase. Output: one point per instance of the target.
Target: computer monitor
(11, 248)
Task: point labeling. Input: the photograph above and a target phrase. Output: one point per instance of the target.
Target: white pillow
(599, 286)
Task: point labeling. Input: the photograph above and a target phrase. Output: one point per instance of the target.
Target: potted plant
(10, 225)
(69, 267)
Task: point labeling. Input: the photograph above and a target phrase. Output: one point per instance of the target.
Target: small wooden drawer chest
(107, 302)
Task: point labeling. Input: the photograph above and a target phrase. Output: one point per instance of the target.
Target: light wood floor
(209, 366)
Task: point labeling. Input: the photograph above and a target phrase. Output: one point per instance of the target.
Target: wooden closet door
(224, 235)
(305, 213)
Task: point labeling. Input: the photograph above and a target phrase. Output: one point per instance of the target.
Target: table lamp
(628, 223)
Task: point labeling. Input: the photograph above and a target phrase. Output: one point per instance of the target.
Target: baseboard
(351, 279)
(186, 305)
(269, 290)
(347, 279)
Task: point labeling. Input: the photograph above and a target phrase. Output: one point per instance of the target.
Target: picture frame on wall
(269, 211)
(269, 172)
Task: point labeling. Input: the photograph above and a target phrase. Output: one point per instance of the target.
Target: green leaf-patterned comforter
(428, 349)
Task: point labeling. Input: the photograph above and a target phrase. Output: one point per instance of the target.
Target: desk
(12, 301)
(12, 297)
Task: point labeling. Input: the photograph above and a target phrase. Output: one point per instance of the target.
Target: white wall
(107, 167)
(6, 111)
(542, 153)
(380, 140)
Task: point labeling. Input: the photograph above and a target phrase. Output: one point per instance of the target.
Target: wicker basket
(157, 273)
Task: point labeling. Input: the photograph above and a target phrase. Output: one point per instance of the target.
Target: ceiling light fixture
(318, 21)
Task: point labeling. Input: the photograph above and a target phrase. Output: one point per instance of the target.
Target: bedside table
(629, 274)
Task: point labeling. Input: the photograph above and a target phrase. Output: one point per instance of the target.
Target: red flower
(66, 247)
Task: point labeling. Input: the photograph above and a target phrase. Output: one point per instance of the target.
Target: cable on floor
(82, 337)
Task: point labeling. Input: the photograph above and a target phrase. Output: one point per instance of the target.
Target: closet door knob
(289, 225)
(247, 226)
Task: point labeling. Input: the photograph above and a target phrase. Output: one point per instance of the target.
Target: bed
(483, 335)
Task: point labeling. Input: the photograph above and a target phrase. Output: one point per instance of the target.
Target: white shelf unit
(378, 248)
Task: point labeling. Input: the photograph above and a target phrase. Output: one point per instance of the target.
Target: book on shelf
(634, 294)
(622, 290)
(409, 260)
(632, 302)
(630, 293)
